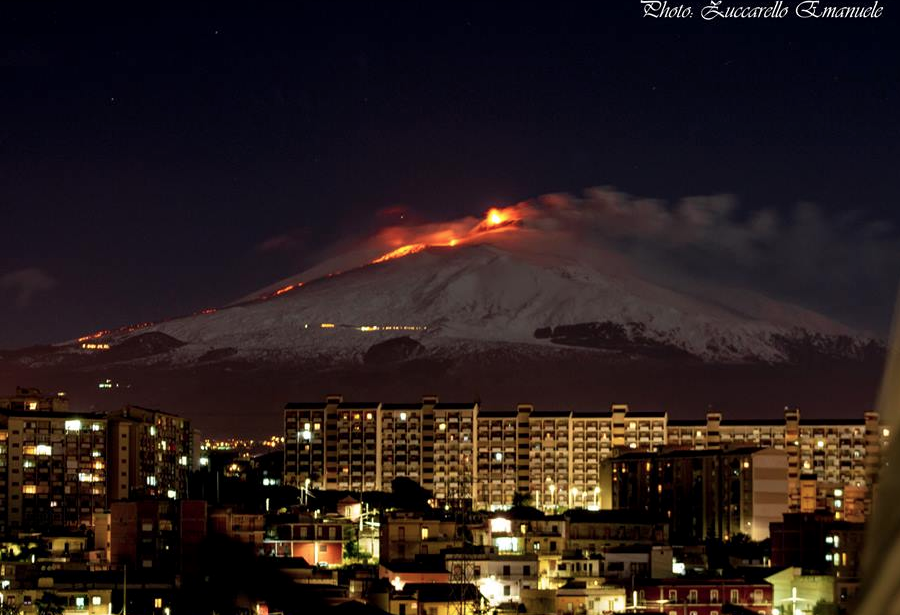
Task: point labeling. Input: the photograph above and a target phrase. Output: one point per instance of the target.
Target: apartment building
(52, 468)
(157, 534)
(842, 454)
(463, 452)
(59, 467)
(362, 446)
(30, 399)
(705, 493)
(150, 454)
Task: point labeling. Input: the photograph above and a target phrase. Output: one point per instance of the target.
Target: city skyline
(450, 309)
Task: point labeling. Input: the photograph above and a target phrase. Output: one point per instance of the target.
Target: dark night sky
(146, 158)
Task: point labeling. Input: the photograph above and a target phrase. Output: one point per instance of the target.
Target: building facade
(59, 468)
(52, 469)
(151, 454)
(715, 493)
(460, 451)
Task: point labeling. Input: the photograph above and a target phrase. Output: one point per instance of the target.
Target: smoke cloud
(844, 265)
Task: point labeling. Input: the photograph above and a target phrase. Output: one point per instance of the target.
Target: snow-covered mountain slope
(525, 288)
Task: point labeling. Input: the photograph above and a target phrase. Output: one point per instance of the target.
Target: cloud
(26, 283)
(284, 242)
(844, 264)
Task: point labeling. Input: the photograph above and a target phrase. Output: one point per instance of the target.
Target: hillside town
(432, 508)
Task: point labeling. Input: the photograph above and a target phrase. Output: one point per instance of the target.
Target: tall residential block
(559, 457)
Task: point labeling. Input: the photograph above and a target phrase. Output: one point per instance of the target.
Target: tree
(521, 499)
(409, 495)
(49, 604)
(822, 607)
(8, 609)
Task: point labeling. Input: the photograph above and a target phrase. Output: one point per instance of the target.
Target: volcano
(506, 312)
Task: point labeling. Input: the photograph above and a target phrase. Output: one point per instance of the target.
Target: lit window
(79, 602)
(43, 449)
(886, 432)
(151, 481)
(204, 461)
(96, 600)
(499, 525)
(152, 430)
(402, 416)
(85, 477)
(368, 416)
(820, 444)
(171, 494)
(157, 603)
(73, 425)
(443, 426)
(29, 489)
(95, 427)
(183, 460)
(498, 456)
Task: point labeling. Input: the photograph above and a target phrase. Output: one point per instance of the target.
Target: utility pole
(462, 572)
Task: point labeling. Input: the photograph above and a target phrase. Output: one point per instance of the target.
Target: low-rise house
(699, 596)
(319, 541)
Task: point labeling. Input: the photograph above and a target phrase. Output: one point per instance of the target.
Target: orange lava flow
(287, 289)
(401, 252)
(94, 336)
(494, 219)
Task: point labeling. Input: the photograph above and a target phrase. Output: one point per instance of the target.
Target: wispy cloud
(26, 283)
(284, 242)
